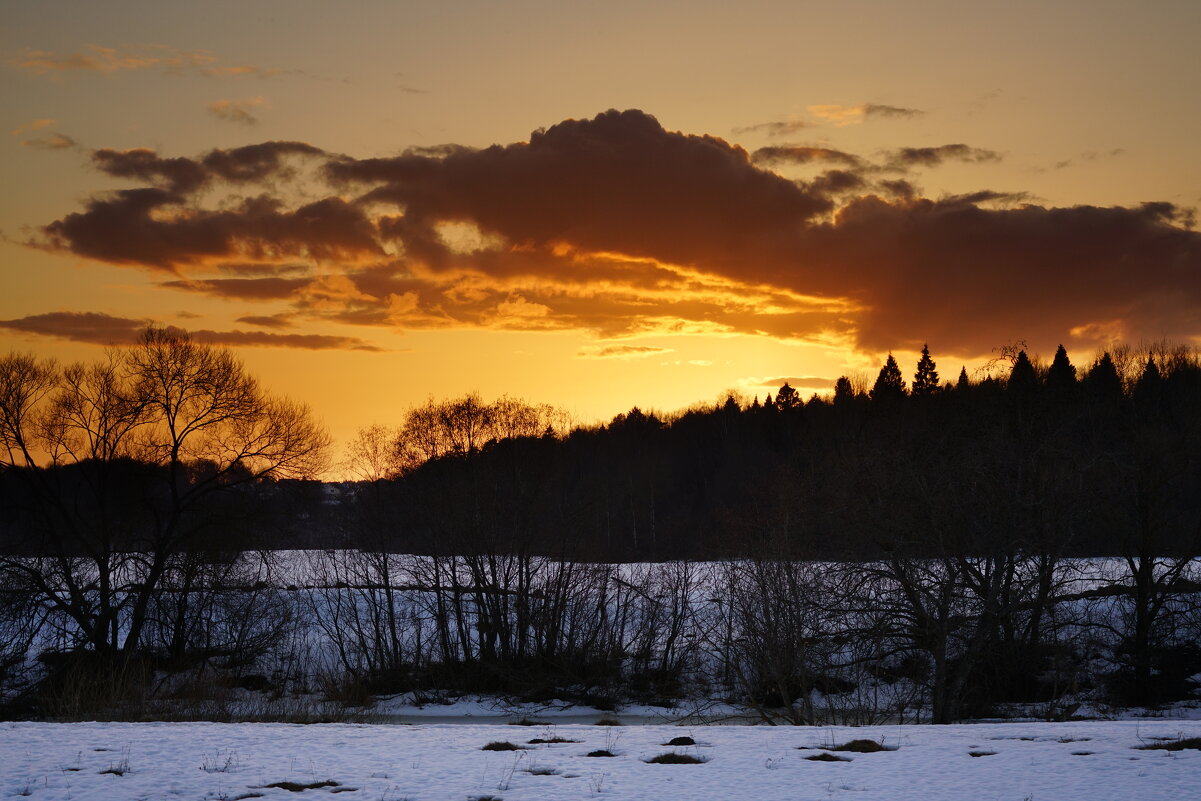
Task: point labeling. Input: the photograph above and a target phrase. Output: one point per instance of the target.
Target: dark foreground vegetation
(927, 552)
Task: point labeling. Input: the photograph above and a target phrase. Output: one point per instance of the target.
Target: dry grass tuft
(672, 758)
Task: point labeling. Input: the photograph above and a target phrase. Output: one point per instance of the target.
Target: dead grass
(672, 758)
(501, 745)
(827, 758)
(860, 747)
(297, 787)
(1173, 745)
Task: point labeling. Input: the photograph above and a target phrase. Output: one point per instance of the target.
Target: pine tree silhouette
(889, 385)
(787, 398)
(843, 391)
(1148, 391)
(1102, 384)
(1022, 378)
(1062, 374)
(962, 383)
(925, 381)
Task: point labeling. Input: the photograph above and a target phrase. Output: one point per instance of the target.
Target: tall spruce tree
(843, 391)
(963, 382)
(787, 398)
(925, 380)
(1062, 374)
(1102, 384)
(1022, 378)
(890, 384)
(1148, 391)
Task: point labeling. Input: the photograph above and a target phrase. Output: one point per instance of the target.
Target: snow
(1085, 761)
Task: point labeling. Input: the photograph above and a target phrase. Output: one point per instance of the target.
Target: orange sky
(378, 205)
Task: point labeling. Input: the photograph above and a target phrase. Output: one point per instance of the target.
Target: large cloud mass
(618, 226)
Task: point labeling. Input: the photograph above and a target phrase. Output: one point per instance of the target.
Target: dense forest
(904, 550)
(1033, 457)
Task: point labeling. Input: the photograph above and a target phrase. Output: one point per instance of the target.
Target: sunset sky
(597, 205)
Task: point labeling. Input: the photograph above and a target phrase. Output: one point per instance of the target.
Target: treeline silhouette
(1081, 462)
(909, 550)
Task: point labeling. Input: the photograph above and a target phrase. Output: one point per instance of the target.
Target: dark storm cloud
(899, 188)
(837, 182)
(184, 175)
(907, 157)
(618, 178)
(268, 321)
(91, 327)
(103, 329)
(268, 288)
(152, 227)
(965, 278)
(617, 226)
(262, 339)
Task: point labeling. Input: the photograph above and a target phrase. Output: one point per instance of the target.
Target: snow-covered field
(1090, 761)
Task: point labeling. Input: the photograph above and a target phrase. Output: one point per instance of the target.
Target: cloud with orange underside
(616, 226)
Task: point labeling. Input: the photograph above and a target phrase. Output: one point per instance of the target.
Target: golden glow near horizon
(802, 188)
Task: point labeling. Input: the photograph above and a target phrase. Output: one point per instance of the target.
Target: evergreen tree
(843, 391)
(1062, 374)
(925, 381)
(1021, 377)
(787, 398)
(962, 383)
(1148, 390)
(890, 384)
(1102, 383)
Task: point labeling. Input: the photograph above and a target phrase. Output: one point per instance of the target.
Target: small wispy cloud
(880, 110)
(805, 381)
(621, 352)
(33, 125)
(841, 116)
(804, 154)
(53, 141)
(907, 157)
(776, 128)
(239, 111)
